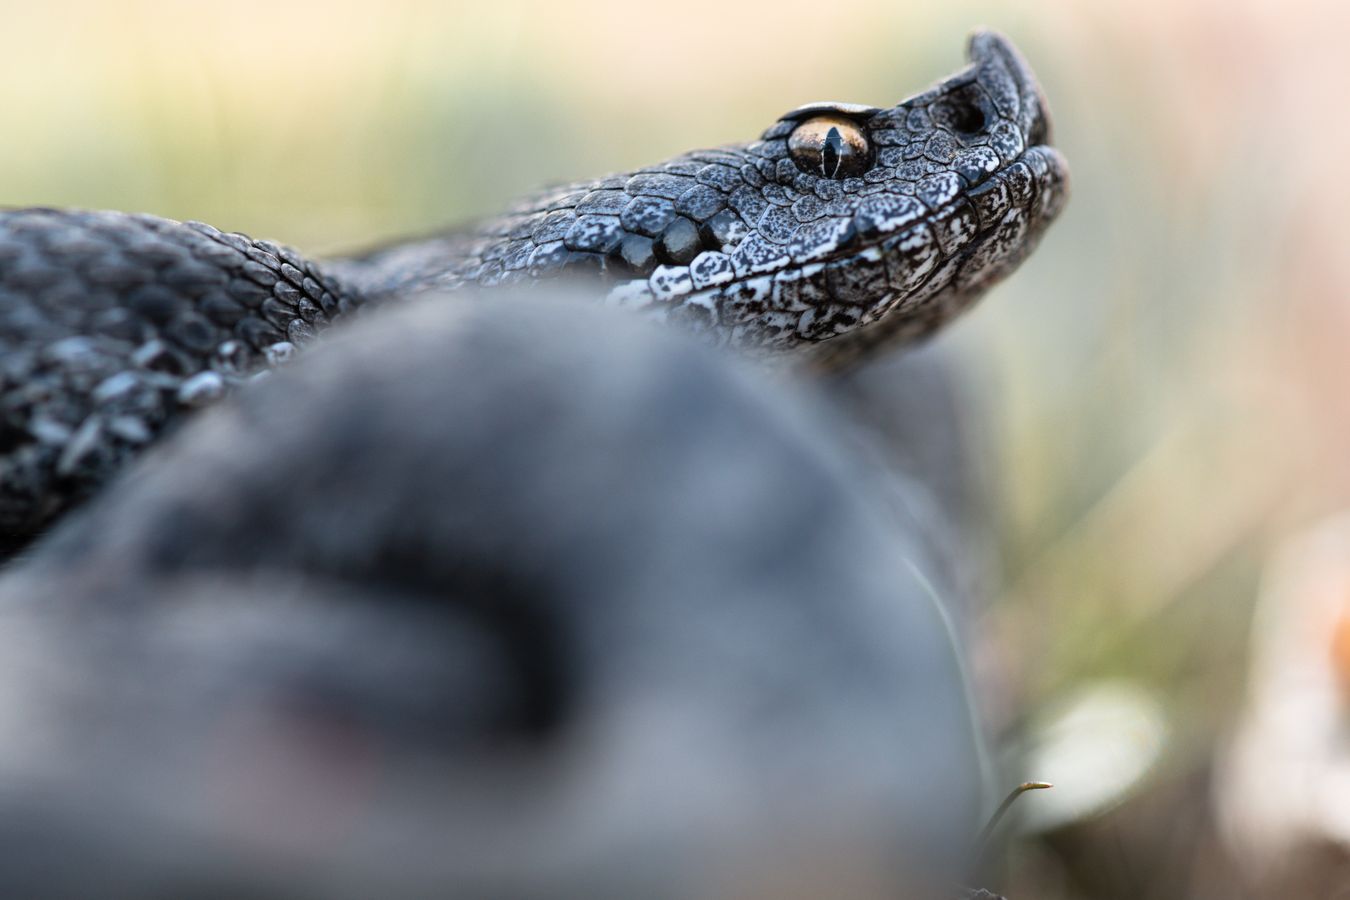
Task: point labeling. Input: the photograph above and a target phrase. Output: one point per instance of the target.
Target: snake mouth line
(895, 261)
(885, 254)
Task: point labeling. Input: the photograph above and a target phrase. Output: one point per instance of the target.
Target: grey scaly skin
(759, 248)
(842, 230)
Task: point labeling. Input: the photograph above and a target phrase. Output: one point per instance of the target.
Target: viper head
(843, 227)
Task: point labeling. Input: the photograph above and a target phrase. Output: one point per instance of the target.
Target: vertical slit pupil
(831, 153)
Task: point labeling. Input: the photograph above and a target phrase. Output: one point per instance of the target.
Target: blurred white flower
(1283, 783)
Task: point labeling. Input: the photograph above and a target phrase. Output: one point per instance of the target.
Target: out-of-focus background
(1165, 381)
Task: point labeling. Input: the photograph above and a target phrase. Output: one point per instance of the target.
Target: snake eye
(831, 146)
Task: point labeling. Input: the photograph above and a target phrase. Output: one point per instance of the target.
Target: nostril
(967, 118)
(961, 112)
(12, 437)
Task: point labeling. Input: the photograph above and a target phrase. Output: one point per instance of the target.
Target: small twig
(982, 842)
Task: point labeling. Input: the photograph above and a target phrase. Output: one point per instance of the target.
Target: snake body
(841, 230)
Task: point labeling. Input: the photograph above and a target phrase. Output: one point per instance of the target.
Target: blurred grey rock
(510, 599)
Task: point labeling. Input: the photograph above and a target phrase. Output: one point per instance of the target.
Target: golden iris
(831, 146)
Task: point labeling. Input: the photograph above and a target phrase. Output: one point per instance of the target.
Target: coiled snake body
(842, 229)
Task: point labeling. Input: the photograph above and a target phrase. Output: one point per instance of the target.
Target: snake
(843, 230)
